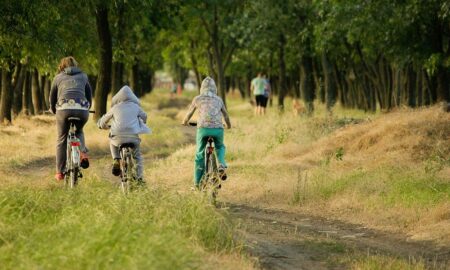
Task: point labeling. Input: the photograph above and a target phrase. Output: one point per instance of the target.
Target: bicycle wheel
(74, 177)
(68, 169)
(125, 183)
(212, 180)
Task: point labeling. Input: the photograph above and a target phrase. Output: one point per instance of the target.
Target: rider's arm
(53, 97)
(142, 115)
(190, 112)
(225, 116)
(103, 122)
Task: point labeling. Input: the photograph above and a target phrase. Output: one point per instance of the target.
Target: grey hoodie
(126, 115)
(70, 90)
(210, 107)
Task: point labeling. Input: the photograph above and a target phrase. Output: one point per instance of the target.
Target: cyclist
(128, 120)
(211, 109)
(70, 96)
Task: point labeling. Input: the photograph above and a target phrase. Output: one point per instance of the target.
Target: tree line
(112, 41)
(363, 54)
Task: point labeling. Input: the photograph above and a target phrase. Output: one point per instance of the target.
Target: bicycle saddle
(73, 119)
(125, 145)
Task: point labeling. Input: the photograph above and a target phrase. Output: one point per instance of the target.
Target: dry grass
(388, 171)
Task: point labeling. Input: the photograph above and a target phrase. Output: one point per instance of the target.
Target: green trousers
(202, 137)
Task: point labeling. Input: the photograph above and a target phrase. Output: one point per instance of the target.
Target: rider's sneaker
(195, 188)
(222, 173)
(59, 177)
(116, 168)
(84, 160)
(141, 182)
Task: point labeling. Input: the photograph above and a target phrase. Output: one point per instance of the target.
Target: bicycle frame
(73, 152)
(127, 166)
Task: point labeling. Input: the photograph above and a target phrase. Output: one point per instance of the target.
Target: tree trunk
(443, 87)
(18, 91)
(282, 76)
(6, 97)
(117, 78)
(329, 82)
(145, 79)
(134, 79)
(411, 87)
(26, 94)
(36, 92)
(319, 81)
(307, 83)
(194, 62)
(47, 85)
(105, 60)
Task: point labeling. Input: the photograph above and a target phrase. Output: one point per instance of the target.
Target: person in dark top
(70, 96)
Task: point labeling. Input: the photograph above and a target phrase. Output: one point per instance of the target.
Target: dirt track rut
(282, 240)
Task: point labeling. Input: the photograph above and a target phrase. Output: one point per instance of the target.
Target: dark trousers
(62, 126)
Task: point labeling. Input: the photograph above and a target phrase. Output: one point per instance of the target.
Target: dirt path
(282, 240)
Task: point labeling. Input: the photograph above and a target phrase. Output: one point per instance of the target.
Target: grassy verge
(97, 227)
(45, 226)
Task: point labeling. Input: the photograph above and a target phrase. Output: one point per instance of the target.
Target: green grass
(390, 186)
(96, 227)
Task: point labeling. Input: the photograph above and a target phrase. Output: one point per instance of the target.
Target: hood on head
(208, 87)
(72, 70)
(125, 94)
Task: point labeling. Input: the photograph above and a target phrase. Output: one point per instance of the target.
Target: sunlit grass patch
(95, 226)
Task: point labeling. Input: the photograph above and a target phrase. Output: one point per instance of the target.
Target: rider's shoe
(195, 188)
(116, 167)
(84, 160)
(59, 177)
(141, 182)
(222, 173)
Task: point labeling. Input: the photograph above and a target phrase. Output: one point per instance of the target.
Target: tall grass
(96, 227)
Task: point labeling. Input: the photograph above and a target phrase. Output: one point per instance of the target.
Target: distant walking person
(267, 93)
(257, 87)
(70, 96)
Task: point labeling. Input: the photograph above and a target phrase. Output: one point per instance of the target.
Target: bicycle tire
(210, 179)
(67, 172)
(125, 167)
(74, 177)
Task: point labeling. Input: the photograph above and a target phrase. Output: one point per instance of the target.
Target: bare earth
(282, 240)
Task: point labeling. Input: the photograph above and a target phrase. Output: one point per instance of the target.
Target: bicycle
(211, 179)
(127, 166)
(73, 155)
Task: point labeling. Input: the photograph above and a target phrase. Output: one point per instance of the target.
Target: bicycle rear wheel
(211, 179)
(125, 167)
(74, 177)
